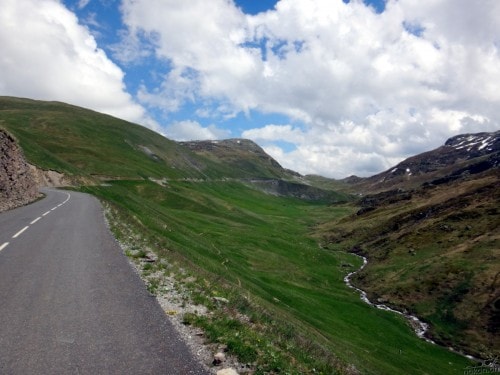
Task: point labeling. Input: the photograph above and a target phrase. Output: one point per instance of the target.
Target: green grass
(78, 141)
(262, 246)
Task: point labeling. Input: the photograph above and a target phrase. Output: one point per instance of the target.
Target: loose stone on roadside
(227, 371)
(219, 358)
(221, 300)
(149, 258)
(174, 298)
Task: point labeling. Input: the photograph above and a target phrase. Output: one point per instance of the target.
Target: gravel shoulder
(173, 297)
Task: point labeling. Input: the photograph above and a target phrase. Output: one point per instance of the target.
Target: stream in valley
(418, 326)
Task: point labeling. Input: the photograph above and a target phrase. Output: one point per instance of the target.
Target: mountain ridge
(44, 126)
(459, 154)
(87, 146)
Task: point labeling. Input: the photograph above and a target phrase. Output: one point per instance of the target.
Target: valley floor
(288, 306)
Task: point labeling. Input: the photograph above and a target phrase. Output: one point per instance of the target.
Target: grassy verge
(288, 309)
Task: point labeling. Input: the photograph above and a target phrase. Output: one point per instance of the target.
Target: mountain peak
(240, 154)
(460, 155)
(232, 143)
(475, 143)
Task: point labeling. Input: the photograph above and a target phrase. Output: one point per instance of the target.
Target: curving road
(69, 301)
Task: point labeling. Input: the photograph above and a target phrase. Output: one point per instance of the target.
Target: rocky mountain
(459, 157)
(241, 154)
(17, 181)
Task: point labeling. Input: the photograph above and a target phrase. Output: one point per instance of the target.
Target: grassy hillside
(242, 155)
(76, 141)
(81, 142)
(433, 251)
(289, 310)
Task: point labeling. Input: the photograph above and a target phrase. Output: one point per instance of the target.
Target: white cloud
(340, 151)
(457, 21)
(178, 87)
(83, 3)
(366, 89)
(47, 55)
(273, 132)
(192, 130)
(369, 88)
(131, 49)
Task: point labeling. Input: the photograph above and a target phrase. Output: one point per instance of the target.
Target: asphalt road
(69, 301)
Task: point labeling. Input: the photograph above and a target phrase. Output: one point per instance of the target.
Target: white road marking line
(5, 244)
(20, 232)
(52, 209)
(34, 221)
(67, 199)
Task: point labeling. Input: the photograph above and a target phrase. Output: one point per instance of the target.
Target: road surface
(69, 301)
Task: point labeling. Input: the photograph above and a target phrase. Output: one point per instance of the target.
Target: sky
(329, 87)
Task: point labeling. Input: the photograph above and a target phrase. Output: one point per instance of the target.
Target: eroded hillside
(17, 182)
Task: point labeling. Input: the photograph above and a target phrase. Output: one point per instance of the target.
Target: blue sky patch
(256, 6)
(414, 28)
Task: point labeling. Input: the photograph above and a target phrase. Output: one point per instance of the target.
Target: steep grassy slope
(253, 246)
(81, 142)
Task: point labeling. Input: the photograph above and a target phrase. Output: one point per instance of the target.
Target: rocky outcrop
(17, 182)
(49, 178)
(283, 188)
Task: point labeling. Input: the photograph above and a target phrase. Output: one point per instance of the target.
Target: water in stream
(419, 326)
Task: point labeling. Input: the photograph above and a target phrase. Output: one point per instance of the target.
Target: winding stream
(419, 327)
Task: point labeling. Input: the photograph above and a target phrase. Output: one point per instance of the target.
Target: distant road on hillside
(69, 301)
